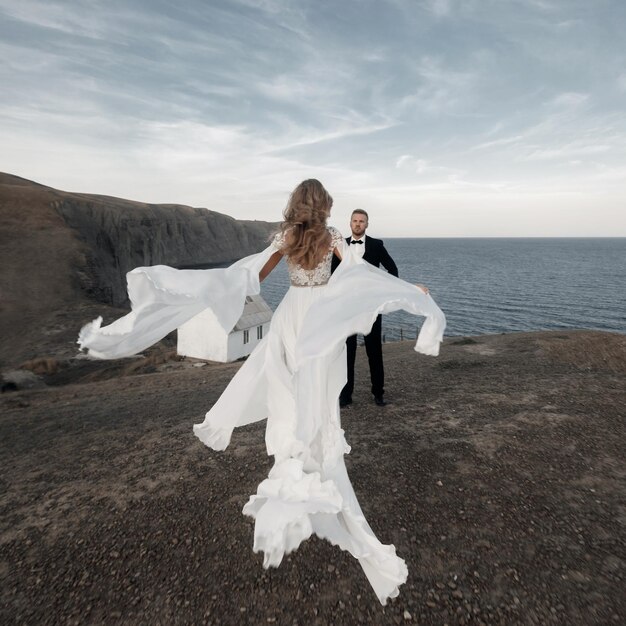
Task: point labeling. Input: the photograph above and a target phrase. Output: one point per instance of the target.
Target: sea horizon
(491, 285)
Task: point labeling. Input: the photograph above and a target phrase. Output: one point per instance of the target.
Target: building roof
(255, 312)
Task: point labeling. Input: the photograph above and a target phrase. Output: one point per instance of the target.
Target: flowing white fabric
(163, 298)
(293, 378)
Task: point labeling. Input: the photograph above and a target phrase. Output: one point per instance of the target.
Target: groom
(373, 251)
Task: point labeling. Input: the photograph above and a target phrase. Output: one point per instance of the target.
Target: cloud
(566, 152)
(341, 131)
(504, 141)
(568, 100)
(405, 158)
(610, 174)
(57, 17)
(424, 167)
(441, 89)
(568, 24)
(440, 8)
(544, 5)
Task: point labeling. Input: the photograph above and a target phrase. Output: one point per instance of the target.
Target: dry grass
(590, 350)
(42, 366)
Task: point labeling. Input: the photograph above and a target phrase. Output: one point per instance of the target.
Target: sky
(441, 118)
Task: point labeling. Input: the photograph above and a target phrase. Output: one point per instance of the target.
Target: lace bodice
(300, 277)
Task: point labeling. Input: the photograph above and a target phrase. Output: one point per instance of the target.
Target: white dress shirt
(358, 249)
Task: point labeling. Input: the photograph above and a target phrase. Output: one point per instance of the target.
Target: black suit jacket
(375, 253)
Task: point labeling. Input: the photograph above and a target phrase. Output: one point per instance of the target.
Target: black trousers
(374, 349)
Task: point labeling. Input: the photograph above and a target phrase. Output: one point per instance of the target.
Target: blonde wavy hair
(304, 225)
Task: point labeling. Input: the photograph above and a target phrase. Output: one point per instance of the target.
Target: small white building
(202, 337)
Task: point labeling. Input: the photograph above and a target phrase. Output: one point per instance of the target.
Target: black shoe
(344, 402)
(380, 401)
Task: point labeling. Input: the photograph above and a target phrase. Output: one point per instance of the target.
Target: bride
(293, 377)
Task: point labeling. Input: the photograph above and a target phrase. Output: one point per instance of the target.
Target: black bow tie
(355, 241)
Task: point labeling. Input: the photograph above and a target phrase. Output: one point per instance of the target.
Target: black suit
(376, 254)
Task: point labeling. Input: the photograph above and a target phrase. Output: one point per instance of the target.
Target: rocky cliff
(121, 235)
(61, 251)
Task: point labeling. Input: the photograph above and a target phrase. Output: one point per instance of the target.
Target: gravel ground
(498, 473)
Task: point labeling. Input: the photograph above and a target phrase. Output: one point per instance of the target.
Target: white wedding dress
(293, 378)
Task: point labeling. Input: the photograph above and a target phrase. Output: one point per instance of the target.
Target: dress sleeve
(163, 298)
(337, 314)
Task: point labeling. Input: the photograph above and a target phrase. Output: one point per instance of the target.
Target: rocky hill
(61, 250)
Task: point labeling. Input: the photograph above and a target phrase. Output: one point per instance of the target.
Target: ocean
(487, 286)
